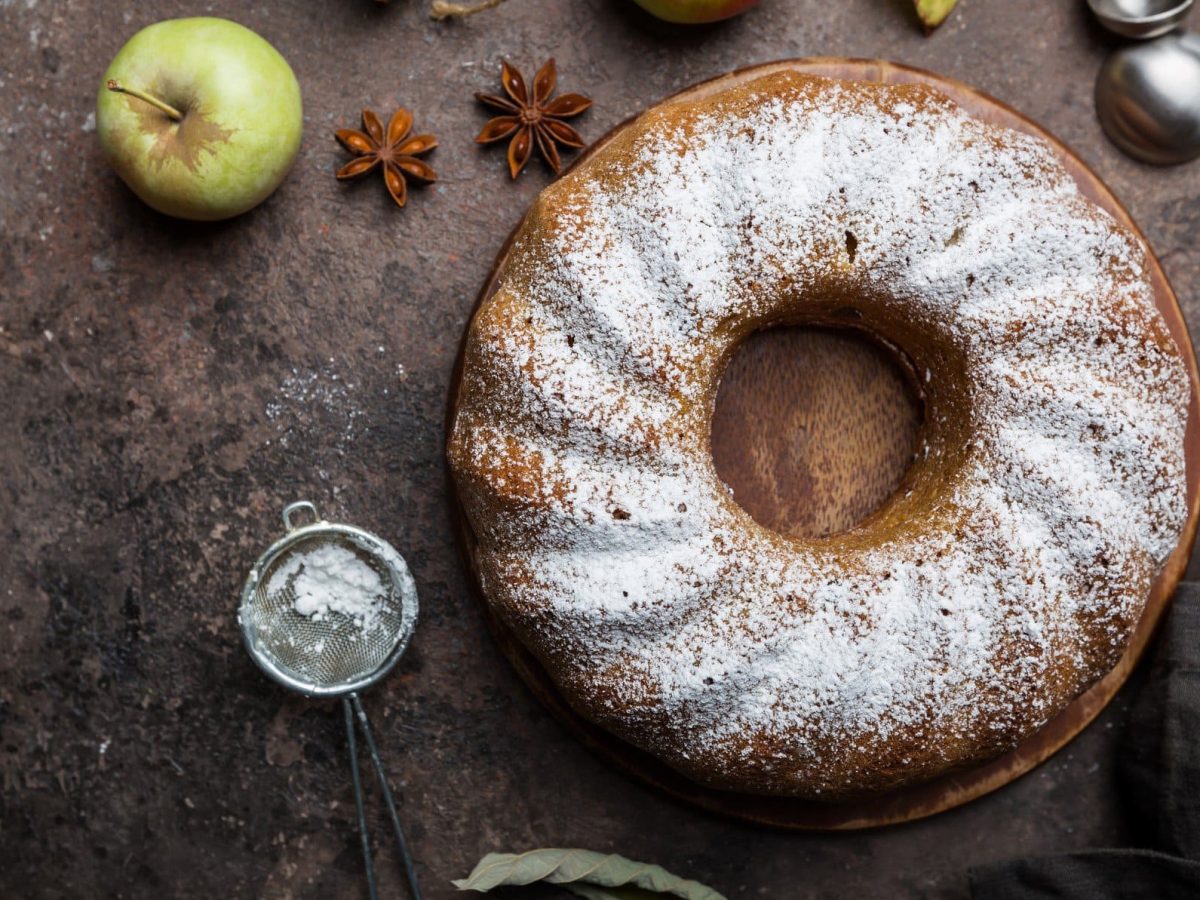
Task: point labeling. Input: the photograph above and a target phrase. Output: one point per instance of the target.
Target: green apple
(200, 117)
(695, 12)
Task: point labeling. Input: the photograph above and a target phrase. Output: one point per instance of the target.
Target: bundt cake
(1002, 579)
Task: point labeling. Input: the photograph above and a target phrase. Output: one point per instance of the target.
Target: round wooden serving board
(813, 430)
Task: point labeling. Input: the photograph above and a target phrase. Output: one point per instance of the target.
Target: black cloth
(1160, 781)
(1092, 874)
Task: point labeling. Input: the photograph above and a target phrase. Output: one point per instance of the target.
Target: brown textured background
(165, 388)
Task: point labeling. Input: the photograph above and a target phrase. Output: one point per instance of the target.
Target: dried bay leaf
(587, 874)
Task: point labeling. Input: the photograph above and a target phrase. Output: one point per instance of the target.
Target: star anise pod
(394, 150)
(532, 117)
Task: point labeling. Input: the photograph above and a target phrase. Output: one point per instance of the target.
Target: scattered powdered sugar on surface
(322, 392)
(329, 579)
(609, 543)
(327, 394)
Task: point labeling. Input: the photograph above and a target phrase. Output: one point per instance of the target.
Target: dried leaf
(595, 876)
(444, 9)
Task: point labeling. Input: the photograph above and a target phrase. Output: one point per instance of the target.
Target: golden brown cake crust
(1003, 578)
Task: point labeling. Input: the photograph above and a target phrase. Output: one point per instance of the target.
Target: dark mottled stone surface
(165, 388)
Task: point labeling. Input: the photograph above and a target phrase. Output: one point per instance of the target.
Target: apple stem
(172, 112)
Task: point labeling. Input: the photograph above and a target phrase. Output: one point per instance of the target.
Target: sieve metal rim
(371, 543)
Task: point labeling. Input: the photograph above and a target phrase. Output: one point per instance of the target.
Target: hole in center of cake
(814, 428)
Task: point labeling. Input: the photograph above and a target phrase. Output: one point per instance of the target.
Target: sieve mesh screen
(332, 649)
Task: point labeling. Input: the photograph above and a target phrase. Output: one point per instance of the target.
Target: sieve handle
(292, 508)
(405, 857)
(368, 863)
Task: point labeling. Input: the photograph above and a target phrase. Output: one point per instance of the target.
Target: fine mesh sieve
(333, 653)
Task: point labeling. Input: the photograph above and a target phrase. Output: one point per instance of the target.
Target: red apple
(695, 12)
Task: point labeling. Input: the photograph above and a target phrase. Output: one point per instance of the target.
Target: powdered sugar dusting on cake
(610, 545)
